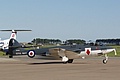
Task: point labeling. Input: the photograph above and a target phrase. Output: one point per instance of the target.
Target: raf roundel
(31, 54)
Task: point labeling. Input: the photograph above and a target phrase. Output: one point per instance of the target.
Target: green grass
(112, 54)
(2, 53)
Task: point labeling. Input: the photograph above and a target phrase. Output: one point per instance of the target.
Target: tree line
(76, 41)
(45, 41)
(57, 41)
(109, 41)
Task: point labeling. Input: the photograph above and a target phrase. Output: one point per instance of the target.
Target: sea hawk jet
(68, 53)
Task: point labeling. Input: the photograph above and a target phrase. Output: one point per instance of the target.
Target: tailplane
(14, 33)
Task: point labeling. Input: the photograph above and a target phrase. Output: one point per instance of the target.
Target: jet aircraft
(66, 53)
(71, 52)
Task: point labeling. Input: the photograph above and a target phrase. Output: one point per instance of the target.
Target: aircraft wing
(60, 52)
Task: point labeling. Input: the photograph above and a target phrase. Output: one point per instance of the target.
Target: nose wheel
(106, 59)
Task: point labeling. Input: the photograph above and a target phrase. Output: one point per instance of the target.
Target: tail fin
(13, 44)
(13, 35)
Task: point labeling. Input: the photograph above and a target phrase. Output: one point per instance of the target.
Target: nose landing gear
(106, 59)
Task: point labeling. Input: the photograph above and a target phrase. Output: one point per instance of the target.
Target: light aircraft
(4, 43)
(66, 53)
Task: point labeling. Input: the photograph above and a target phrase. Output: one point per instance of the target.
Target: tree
(46, 41)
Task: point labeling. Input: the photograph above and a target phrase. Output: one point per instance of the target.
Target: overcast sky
(61, 19)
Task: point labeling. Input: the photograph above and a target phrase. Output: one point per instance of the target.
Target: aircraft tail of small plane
(14, 33)
(4, 43)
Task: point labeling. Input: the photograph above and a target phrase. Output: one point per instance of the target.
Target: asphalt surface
(24, 68)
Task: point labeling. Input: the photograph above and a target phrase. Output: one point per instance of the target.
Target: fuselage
(4, 44)
(79, 50)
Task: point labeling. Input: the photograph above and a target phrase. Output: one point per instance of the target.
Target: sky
(61, 19)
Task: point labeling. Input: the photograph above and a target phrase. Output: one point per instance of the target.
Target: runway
(24, 68)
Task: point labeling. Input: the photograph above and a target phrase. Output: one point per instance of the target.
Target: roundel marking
(31, 54)
(88, 52)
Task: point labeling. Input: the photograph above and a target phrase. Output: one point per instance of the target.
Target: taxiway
(24, 68)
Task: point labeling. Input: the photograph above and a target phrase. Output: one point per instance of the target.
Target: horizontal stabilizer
(15, 30)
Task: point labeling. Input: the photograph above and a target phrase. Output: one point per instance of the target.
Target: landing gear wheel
(65, 62)
(10, 56)
(104, 61)
(70, 61)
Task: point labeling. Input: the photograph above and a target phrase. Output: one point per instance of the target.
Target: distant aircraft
(66, 53)
(4, 43)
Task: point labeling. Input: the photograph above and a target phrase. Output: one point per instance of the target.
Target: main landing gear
(69, 61)
(66, 60)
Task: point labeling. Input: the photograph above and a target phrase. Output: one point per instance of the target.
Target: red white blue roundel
(31, 53)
